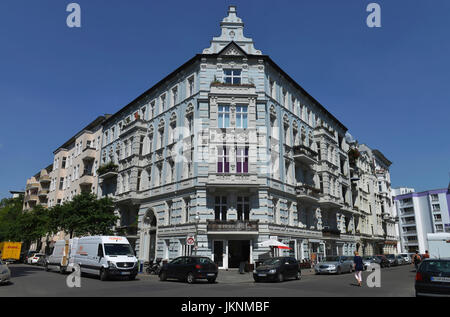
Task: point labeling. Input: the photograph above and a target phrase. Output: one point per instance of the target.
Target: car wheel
(62, 270)
(298, 275)
(163, 276)
(190, 278)
(338, 272)
(103, 275)
(280, 277)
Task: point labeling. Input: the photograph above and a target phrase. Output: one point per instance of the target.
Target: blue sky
(389, 86)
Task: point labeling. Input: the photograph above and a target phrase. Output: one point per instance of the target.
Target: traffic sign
(190, 240)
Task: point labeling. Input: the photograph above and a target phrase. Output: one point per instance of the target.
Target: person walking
(416, 260)
(426, 255)
(359, 267)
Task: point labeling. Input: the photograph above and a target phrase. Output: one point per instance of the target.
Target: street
(30, 280)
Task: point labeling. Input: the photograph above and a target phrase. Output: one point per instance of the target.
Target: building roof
(89, 127)
(382, 157)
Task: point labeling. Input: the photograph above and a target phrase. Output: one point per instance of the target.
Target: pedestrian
(416, 260)
(359, 267)
(426, 255)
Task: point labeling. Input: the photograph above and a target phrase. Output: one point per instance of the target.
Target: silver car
(368, 260)
(334, 265)
(406, 258)
(400, 260)
(5, 273)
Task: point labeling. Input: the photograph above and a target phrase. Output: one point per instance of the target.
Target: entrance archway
(150, 226)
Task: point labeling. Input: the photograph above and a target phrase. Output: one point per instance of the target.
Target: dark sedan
(277, 269)
(433, 278)
(382, 261)
(190, 269)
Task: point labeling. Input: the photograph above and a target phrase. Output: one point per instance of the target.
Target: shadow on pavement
(23, 270)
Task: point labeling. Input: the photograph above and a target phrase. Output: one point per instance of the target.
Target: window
(152, 110)
(190, 86)
(61, 183)
(163, 103)
(436, 207)
(243, 208)
(138, 185)
(149, 177)
(224, 117)
(272, 88)
(141, 145)
(241, 117)
(223, 163)
(232, 76)
(242, 160)
(172, 171)
(434, 197)
(221, 208)
(174, 96)
(63, 165)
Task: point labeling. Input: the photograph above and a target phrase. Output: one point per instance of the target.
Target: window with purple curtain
(242, 160)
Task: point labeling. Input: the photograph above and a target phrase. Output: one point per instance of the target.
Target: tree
(10, 212)
(84, 215)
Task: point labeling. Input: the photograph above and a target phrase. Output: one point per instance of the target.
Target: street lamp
(197, 220)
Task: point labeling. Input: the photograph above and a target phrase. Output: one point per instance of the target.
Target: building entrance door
(218, 253)
(238, 251)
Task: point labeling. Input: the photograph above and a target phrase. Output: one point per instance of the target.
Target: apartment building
(419, 214)
(37, 189)
(371, 192)
(75, 164)
(229, 149)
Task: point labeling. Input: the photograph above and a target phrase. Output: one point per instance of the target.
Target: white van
(59, 259)
(439, 245)
(104, 256)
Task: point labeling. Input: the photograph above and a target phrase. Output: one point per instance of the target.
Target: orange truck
(10, 251)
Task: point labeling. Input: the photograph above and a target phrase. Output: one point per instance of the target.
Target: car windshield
(331, 259)
(118, 249)
(271, 262)
(390, 256)
(367, 258)
(436, 266)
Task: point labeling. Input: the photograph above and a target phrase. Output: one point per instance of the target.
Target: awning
(275, 244)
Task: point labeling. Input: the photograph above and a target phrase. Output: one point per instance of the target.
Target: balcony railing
(32, 186)
(233, 225)
(307, 192)
(305, 154)
(45, 179)
(89, 153)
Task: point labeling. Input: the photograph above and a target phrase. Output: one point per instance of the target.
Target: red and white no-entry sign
(190, 240)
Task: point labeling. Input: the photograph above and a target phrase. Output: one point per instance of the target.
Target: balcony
(227, 226)
(328, 201)
(107, 171)
(305, 155)
(87, 179)
(230, 180)
(32, 186)
(138, 124)
(31, 198)
(89, 154)
(43, 192)
(127, 231)
(44, 179)
(331, 233)
(307, 193)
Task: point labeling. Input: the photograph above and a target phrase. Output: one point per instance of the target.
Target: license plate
(211, 274)
(125, 273)
(440, 279)
(262, 274)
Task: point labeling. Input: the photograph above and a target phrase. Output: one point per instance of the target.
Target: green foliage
(109, 167)
(84, 215)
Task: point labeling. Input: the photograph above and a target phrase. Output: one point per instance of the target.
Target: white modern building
(419, 214)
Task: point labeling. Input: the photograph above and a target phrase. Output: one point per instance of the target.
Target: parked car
(368, 260)
(400, 260)
(190, 269)
(334, 265)
(27, 256)
(406, 258)
(383, 261)
(433, 278)
(35, 258)
(278, 269)
(5, 273)
(392, 258)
